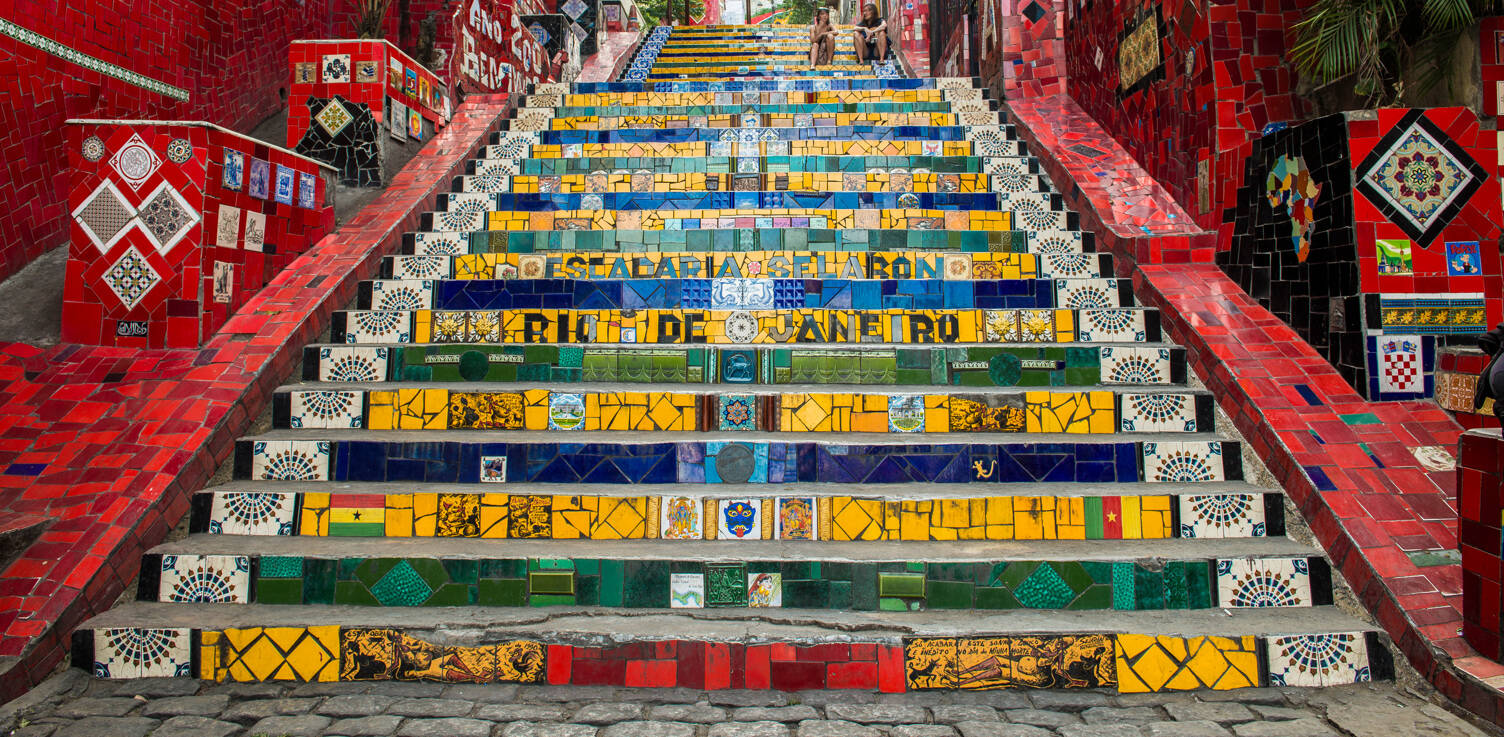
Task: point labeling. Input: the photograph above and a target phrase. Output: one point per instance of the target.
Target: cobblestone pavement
(73, 705)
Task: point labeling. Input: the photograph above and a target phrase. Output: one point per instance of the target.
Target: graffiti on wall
(497, 53)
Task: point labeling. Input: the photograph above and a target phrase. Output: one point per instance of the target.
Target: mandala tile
(1152, 664)
(290, 460)
(686, 591)
(166, 217)
(353, 364)
(135, 162)
(419, 267)
(681, 518)
(739, 519)
(252, 513)
(1158, 412)
(736, 412)
(1334, 659)
(1183, 462)
(105, 216)
(1222, 515)
(326, 409)
(222, 579)
(1086, 294)
(440, 244)
(131, 278)
(92, 148)
(764, 590)
(1419, 177)
(334, 117)
(1264, 582)
(143, 653)
(303, 654)
(179, 151)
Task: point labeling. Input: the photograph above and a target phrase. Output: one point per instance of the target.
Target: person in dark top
(822, 39)
(871, 35)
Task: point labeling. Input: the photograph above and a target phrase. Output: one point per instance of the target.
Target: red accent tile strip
(1347, 463)
(110, 442)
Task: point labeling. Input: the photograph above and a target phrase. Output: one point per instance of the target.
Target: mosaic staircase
(764, 377)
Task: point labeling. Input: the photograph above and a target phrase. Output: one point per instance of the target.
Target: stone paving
(71, 704)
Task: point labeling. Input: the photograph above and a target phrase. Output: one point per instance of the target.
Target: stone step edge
(1087, 238)
(616, 387)
(906, 492)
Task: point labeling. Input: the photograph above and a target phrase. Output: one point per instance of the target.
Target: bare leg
(882, 45)
(814, 52)
(827, 50)
(861, 46)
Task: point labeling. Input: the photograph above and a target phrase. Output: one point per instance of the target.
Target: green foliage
(1372, 43)
(655, 12)
(801, 12)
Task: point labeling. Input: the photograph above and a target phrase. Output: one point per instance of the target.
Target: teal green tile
(279, 591)
(452, 594)
(864, 586)
(281, 566)
(550, 600)
(353, 593)
(949, 595)
(501, 592)
(992, 597)
(318, 580)
(1096, 596)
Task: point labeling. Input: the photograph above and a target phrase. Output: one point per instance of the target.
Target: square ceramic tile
(1222, 515)
(463, 222)
(220, 579)
(286, 185)
(493, 469)
(227, 233)
(1069, 265)
(738, 519)
(1086, 294)
(401, 294)
(686, 591)
(1400, 366)
(259, 183)
(290, 460)
(1332, 659)
(764, 589)
(1263, 582)
(233, 176)
(308, 191)
(353, 363)
(326, 409)
(143, 653)
(378, 326)
(419, 267)
(566, 411)
(255, 231)
(681, 518)
(1135, 365)
(796, 518)
(335, 68)
(1157, 412)
(736, 412)
(440, 244)
(1183, 463)
(1114, 325)
(906, 413)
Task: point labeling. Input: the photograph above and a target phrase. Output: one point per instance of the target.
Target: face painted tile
(796, 518)
(1263, 582)
(143, 653)
(290, 460)
(681, 518)
(252, 513)
(1158, 412)
(1333, 659)
(1192, 462)
(1222, 515)
(224, 579)
(686, 591)
(764, 589)
(739, 519)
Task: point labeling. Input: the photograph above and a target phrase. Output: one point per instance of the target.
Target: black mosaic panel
(355, 149)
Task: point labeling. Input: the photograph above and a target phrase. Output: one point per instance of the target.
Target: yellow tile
(314, 517)
(425, 514)
(399, 515)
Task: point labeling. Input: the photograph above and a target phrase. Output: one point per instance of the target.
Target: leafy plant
(1374, 43)
(657, 12)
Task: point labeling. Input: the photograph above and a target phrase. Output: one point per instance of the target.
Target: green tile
(503, 568)
(1200, 581)
(452, 594)
(893, 605)
(1148, 589)
(550, 600)
(646, 584)
(992, 597)
(588, 590)
(1096, 596)
(949, 595)
(806, 594)
(1361, 418)
(501, 592)
(864, 586)
(280, 566)
(900, 584)
(279, 591)
(353, 593)
(318, 580)
(550, 582)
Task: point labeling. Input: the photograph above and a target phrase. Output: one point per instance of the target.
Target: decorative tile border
(38, 41)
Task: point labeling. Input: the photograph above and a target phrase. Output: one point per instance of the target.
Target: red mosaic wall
(1491, 48)
(1206, 77)
(168, 277)
(307, 79)
(1480, 486)
(713, 666)
(1022, 47)
(493, 51)
(231, 57)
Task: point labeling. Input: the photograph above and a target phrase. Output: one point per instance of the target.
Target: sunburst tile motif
(405, 294)
(218, 579)
(290, 460)
(131, 278)
(166, 217)
(1331, 659)
(1222, 515)
(1112, 325)
(1182, 463)
(252, 513)
(105, 216)
(1264, 582)
(325, 409)
(1419, 177)
(143, 653)
(334, 117)
(353, 363)
(419, 267)
(1135, 365)
(1158, 412)
(378, 326)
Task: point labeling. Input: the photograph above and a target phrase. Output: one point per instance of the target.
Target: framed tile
(566, 411)
(1320, 660)
(286, 185)
(681, 518)
(686, 591)
(906, 413)
(739, 519)
(252, 513)
(335, 68)
(796, 518)
(326, 409)
(1191, 462)
(1222, 515)
(290, 460)
(725, 584)
(353, 363)
(260, 179)
(1263, 582)
(736, 412)
(143, 653)
(493, 469)
(764, 590)
(1157, 412)
(219, 579)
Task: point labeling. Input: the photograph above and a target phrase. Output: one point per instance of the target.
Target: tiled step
(543, 119)
(927, 247)
(834, 511)
(901, 265)
(510, 147)
(1009, 188)
(741, 568)
(1013, 165)
(977, 367)
(1131, 652)
(737, 109)
(744, 197)
(475, 457)
(843, 96)
(742, 211)
(767, 85)
(1123, 325)
(656, 409)
(866, 132)
(743, 293)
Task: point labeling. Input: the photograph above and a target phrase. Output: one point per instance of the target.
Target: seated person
(822, 39)
(871, 35)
